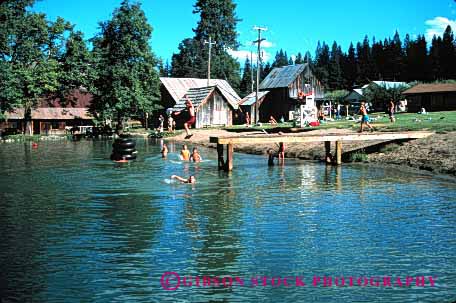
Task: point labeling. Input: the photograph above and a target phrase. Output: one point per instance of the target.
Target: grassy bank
(435, 121)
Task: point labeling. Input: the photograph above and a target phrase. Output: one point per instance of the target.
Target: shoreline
(435, 155)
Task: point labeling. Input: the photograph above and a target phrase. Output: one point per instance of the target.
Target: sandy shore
(436, 153)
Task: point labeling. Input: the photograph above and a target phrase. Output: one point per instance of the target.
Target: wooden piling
(328, 157)
(221, 161)
(229, 157)
(338, 152)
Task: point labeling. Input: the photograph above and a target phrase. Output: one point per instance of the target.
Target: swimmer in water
(185, 153)
(164, 151)
(195, 156)
(190, 180)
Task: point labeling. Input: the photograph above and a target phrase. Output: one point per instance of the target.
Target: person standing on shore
(364, 118)
(161, 119)
(391, 111)
(170, 124)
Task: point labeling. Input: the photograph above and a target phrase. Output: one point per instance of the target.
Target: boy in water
(190, 180)
(195, 156)
(364, 118)
(270, 157)
(185, 153)
(164, 151)
(281, 151)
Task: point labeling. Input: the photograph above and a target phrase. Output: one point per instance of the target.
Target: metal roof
(52, 113)
(282, 76)
(178, 87)
(389, 84)
(431, 88)
(198, 95)
(251, 98)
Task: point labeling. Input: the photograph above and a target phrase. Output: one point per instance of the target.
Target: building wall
(276, 104)
(432, 102)
(215, 111)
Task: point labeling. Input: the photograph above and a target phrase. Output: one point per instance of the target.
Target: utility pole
(209, 60)
(251, 71)
(255, 119)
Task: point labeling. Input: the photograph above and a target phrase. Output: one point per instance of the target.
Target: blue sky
(294, 26)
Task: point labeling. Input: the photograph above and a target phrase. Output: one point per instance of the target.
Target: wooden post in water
(338, 152)
(328, 152)
(229, 157)
(221, 162)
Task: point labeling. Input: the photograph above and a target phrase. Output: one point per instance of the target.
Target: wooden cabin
(431, 97)
(49, 117)
(247, 104)
(288, 88)
(212, 107)
(214, 104)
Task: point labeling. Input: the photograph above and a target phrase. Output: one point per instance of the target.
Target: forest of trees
(41, 58)
(388, 60)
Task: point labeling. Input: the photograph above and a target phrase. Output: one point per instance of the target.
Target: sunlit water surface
(76, 227)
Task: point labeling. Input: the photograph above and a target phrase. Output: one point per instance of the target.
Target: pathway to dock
(229, 142)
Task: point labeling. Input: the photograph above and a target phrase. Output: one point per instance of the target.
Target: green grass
(359, 157)
(22, 137)
(435, 121)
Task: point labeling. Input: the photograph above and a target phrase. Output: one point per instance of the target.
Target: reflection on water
(78, 228)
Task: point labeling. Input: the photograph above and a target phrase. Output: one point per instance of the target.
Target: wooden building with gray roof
(288, 86)
(214, 104)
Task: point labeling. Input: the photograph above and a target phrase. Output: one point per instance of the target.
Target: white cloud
(267, 44)
(437, 26)
(240, 55)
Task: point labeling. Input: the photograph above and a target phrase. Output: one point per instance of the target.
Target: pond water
(76, 227)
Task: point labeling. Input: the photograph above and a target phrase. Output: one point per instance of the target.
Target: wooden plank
(229, 157)
(338, 152)
(272, 138)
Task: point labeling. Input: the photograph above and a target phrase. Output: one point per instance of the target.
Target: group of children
(185, 155)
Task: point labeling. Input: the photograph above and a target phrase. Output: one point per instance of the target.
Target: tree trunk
(28, 121)
(119, 126)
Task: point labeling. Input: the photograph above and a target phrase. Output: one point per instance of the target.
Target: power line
(259, 29)
(209, 60)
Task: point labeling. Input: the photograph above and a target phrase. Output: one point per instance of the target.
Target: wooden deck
(305, 138)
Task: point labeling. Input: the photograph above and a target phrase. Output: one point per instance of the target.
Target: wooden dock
(305, 138)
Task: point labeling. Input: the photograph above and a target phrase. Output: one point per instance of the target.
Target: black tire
(124, 145)
(127, 151)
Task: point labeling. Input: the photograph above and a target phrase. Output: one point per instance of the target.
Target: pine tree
(299, 59)
(218, 21)
(246, 82)
(350, 68)
(335, 80)
(448, 55)
(435, 58)
(126, 82)
(322, 63)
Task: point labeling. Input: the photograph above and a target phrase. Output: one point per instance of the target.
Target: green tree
(75, 68)
(217, 21)
(126, 81)
(335, 80)
(448, 54)
(31, 48)
(246, 81)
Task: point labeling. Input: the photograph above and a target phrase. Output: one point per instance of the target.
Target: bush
(358, 157)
